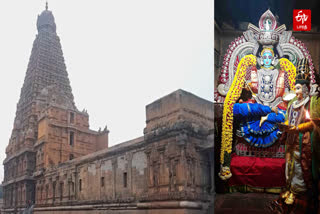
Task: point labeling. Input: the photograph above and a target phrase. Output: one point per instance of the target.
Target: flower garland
(232, 96)
(287, 66)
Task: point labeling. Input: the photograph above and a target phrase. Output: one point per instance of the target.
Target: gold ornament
(290, 199)
(225, 173)
(270, 50)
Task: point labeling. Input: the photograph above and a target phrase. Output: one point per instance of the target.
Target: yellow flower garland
(232, 96)
(235, 92)
(286, 65)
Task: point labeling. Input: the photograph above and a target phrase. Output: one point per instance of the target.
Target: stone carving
(249, 43)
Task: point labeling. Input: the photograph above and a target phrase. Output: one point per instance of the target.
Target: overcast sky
(120, 55)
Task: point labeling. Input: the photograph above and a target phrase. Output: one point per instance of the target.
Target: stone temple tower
(48, 128)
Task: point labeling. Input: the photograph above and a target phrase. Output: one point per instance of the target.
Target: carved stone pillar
(114, 180)
(54, 183)
(212, 172)
(130, 177)
(147, 152)
(173, 174)
(181, 141)
(15, 195)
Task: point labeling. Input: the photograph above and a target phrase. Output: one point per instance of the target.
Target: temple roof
(46, 69)
(46, 20)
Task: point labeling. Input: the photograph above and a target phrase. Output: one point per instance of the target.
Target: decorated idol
(263, 62)
(302, 136)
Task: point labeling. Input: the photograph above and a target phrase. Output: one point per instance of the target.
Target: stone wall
(64, 135)
(54, 124)
(168, 170)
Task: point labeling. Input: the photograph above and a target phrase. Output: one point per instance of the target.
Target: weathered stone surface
(57, 163)
(165, 170)
(116, 211)
(179, 106)
(45, 118)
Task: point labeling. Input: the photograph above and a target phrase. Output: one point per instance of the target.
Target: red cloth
(257, 172)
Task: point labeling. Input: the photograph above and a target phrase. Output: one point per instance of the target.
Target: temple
(56, 164)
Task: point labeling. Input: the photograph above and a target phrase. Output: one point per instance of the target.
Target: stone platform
(247, 203)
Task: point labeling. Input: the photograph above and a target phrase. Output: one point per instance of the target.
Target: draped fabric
(249, 115)
(257, 172)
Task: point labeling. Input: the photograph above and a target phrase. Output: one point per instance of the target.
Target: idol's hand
(254, 96)
(292, 130)
(284, 127)
(275, 110)
(262, 120)
(248, 86)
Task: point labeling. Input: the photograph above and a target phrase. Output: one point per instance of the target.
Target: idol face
(299, 92)
(267, 59)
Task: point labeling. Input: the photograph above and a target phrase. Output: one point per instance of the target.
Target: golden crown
(270, 50)
(303, 71)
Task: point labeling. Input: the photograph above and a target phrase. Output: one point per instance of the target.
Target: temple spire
(46, 5)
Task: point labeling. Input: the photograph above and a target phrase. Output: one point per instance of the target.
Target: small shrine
(255, 89)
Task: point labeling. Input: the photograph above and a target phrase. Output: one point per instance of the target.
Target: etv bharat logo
(301, 20)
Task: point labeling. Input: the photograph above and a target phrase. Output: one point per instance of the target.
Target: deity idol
(268, 77)
(259, 118)
(302, 136)
(267, 86)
